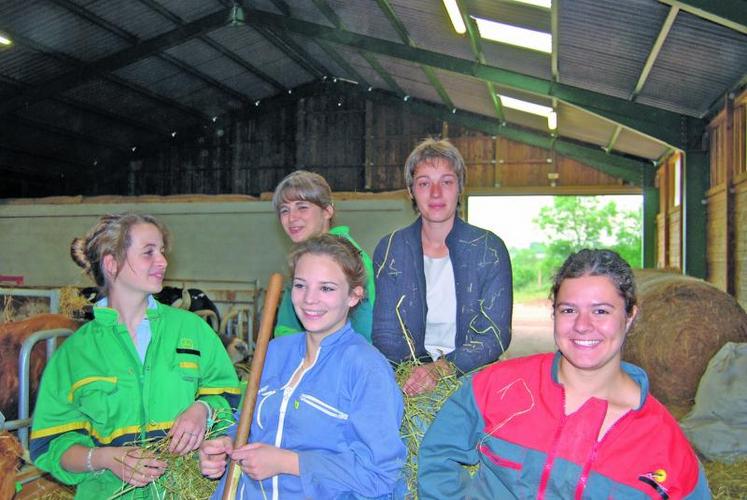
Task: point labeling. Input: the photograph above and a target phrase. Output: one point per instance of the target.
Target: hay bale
(683, 322)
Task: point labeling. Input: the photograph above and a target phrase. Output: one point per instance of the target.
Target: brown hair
(110, 236)
(339, 249)
(594, 262)
(427, 151)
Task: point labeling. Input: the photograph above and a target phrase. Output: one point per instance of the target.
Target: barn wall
(716, 252)
(740, 242)
(357, 144)
(669, 220)
(725, 200)
(214, 239)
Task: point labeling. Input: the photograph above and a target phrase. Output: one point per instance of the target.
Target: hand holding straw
(274, 288)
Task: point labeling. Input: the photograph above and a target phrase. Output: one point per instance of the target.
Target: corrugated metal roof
(603, 44)
(135, 18)
(716, 59)
(28, 66)
(62, 30)
(513, 13)
(189, 10)
(430, 28)
(603, 47)
(364, 17)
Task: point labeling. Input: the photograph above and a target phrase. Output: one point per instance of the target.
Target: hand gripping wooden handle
(272, 298)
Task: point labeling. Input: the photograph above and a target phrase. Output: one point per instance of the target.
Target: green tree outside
(570, 224)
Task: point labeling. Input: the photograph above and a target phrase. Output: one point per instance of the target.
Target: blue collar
(635, 372)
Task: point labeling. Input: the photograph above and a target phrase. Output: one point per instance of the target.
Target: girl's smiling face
(303, 219)
(144, 266)
(321, 295)
(590, 322)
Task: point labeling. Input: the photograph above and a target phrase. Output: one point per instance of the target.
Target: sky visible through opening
(510, 217)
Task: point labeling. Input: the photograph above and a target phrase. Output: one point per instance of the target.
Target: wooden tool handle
(272, 298)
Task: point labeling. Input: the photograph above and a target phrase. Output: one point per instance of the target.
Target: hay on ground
(727, 481)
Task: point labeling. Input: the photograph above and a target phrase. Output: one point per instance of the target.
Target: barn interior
(193, 111)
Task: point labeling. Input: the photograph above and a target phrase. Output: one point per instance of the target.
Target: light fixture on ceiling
(452, 8)
(513, 35)
(552, 120)
(545, 4)
(4, 40)
(237, 17)
(527, 107)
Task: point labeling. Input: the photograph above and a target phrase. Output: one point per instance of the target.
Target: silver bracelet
(89, 460)
(209, 411)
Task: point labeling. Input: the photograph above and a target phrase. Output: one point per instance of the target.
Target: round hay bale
(682, 323)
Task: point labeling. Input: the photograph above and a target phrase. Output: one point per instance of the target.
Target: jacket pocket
(323, 407)
(94, 396)
(263, 394)
(499, 461)
(504, 464)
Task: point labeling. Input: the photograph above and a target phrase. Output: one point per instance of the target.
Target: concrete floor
(531, 329)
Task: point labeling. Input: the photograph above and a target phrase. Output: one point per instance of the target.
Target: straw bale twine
(683, 322)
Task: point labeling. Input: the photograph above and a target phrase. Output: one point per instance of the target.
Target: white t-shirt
(440, 322)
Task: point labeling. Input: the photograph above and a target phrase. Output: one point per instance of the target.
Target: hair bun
(78, 253)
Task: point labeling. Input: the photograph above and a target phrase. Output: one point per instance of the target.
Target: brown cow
(12, 336)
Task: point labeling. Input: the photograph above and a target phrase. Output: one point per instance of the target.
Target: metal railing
(23, 422)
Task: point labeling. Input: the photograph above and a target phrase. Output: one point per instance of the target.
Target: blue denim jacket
(484, 295)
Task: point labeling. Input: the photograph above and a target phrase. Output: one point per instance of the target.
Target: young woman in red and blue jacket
(579, 423)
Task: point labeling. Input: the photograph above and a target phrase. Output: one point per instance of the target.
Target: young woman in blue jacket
(326, 423)
(444, 283)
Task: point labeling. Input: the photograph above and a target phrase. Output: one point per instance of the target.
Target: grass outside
(531, 294)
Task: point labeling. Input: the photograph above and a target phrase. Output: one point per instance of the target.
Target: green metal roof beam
(611, 145)
(329, 13)
(731, 14)
(658, 123)
(33, 94)
(341, 62)
(117, 60)
(293, 51)
(555, 44)
(384, 74)
(476, 44)
(436, 83)
(654, 53)
(388, 10)
(332, 16)
(634, 171)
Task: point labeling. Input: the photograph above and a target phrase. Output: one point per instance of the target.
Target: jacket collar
(108, 316)
(635, 372)
(330, 340)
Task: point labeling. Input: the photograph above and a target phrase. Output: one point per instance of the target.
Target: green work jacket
(361, 315)
(96, 391)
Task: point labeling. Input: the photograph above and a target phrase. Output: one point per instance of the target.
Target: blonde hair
(302, 185)
(339, 249)
(110, 236)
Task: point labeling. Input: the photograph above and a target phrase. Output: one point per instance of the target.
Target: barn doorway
(540, 232)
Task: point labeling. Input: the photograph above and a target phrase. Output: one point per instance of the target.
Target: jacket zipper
(584, 478)
(287, 393)
(136, 365)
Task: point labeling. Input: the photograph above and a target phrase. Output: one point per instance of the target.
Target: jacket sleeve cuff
(51, 461)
